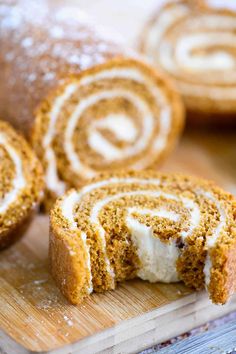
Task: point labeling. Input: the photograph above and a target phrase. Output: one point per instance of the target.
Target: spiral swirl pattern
(20, 175)
(144, 224)
(114, 116)
(195, 44)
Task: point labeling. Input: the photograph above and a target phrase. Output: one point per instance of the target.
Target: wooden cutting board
(34, 317)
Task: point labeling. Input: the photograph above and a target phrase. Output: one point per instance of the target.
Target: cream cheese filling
(158, 259)
(18, 182)
(52, 180)
(212, 239)
(67, 209)
(166, 19)
(218, 60)
(120, 126)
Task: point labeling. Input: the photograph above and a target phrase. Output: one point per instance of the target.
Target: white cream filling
(218, 60)
(207, 270)
(103, 147)
(162, 213)
(158, 29)
(18, 182)
(73, 198)
(51, 176)
(215, 93)
(158, 259)
(115, 180)
(212, 239)
(220, 22)
(52, 179)
(87, 250)
(122, 127)
(181, 57)
(67, 209)
(195, 216)
(199, 89)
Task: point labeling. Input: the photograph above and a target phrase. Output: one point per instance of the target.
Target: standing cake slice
(195, 42)
(160, 228)
(21, 184)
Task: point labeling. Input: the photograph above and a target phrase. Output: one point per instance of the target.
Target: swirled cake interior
(117, 114)
(160, 228)
(194, 42)
(21, 184)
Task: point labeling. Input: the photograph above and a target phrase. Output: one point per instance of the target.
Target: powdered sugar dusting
(43, 44)
(54, 33)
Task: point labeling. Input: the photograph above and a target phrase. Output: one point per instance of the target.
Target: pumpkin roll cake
(195, 43)
(88, 104)
(160, 228)
(21, 184)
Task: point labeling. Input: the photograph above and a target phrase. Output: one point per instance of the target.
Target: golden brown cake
(21, 184)
(160, 228)
(93, 105)
(194, 42)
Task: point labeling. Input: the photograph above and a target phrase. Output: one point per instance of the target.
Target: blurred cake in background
(195, 43)
(21, 185)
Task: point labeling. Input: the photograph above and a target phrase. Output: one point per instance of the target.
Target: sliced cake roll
(21, 184)
(93, 105)
(116, 115)
(160, 228)
(195, 42)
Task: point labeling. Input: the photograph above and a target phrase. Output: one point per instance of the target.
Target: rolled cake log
(21, 185)
(195, 42)
(92, 106)
(160, 228)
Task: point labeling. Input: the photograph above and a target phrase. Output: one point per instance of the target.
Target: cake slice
(194, 43)
(158, 227)
(21, 184)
